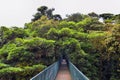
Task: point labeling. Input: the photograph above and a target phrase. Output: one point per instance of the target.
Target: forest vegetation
(93, 46)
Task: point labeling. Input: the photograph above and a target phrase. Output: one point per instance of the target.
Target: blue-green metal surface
(51, 72)
(48, 74)
(75, 73)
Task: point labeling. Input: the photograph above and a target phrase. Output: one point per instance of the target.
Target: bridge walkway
(60, 70)
(63, 73)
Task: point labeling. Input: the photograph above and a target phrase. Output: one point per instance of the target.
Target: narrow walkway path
(64, 73)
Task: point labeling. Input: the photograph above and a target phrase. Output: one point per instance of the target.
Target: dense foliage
(93, 46)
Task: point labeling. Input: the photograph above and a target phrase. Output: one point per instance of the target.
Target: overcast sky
(18, 12)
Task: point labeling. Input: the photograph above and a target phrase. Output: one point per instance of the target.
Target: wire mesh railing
(75, 73)
(49, 73)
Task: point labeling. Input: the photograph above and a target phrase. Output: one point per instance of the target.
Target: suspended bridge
(60, 70)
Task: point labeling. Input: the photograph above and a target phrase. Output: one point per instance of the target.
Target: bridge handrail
(48, 73)
(75, 73)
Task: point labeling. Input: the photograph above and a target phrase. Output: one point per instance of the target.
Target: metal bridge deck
(63, 73)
